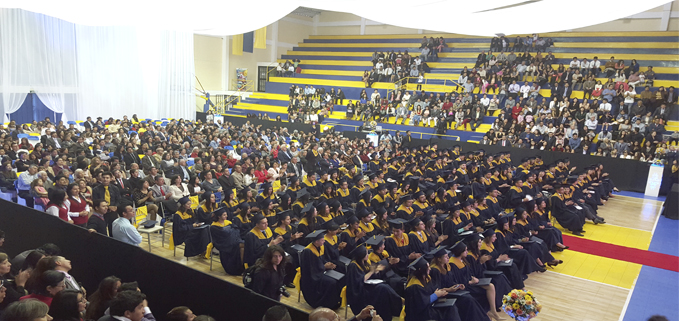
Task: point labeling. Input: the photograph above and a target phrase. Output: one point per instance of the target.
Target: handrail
(398, 86)
(220, 107)
(273, 64)
(456, 138)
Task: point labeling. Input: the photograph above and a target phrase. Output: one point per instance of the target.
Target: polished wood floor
(562, 296)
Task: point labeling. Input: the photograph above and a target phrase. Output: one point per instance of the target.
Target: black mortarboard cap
(364, 192)
(398, 223)
(375, 241)
(258, 217)
(357, 178)
(283, 214)
(405, 198)
(302, 192)
(381, 187)
(351, 219)
(415, 222)
(438, 252)
(330, 225)
(488, 233)
(363, 212)
(308, 207)
(418, 264)
(316, 235)
(458, 248)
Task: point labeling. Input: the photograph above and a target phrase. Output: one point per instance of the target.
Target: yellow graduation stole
(514, 188)
(457, 262)
(488, 247)
(225, 224)
(344, 193)
(316, 251)
(366, 227)
(282, 230)
(408, 210)
(267, 233)
(422, 238)
(332, 240)
(185, 215)
(306, 181)
(413, 281)
(446, 268)
(379, 198)
(402, 242)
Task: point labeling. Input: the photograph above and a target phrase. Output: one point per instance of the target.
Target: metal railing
(412, 133)
(223, 103)
(400, 85)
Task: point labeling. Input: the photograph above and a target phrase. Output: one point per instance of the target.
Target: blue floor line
(655, 293)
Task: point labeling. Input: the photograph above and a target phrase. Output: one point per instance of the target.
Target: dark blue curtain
(33, 109)
(249, 42)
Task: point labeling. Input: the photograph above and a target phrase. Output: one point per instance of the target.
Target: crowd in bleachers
(275, 201)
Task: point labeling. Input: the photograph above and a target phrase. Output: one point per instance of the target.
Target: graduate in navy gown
(187, 230)
(360, 294)
(511, 271)
(421, 293)
(226, 239)
(477, 264)
(318, 288)
(505, 244)
(540, 223)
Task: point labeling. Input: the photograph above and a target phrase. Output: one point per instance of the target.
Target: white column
(274, 41)
(665, 18)
(314, 29)
(225, 62)
(420, 31)
(362, 26)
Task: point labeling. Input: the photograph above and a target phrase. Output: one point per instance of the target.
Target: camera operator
(269, 276)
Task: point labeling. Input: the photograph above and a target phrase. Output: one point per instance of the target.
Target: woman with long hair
(421, 292)
(68, 305)
(477, 265)
(46, 286)
(226, 239)
(78, 209)
(463, 274)
(187, 229)
(523, 232)
(541, 224)
(270, 274)
(386, 301)
(57, 205)
(100, 300)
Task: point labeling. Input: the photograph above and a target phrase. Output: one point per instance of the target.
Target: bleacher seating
(339, 62)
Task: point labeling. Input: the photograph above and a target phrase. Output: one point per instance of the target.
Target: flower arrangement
(521, 305)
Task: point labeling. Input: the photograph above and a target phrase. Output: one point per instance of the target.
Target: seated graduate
(380, 199)
(476, 263)
(318, 288)
(353, 235)
(361, 294)
(267, 194)
(463, 274)
(242, 219)
(421, 206)
(268, 211)
(379, 255)
(309, 221)
(563, 214)
(398, 246)
(248, 197)
(333, 247)
(359, 186)
(540, 223)
(443, 278)
(204, 211)
(380, 223)
(226, 239)
(506, 243)
(363, 200)
(328, 192)
(290, 237)
(523, 232)
(421, 293)
(493, 202)
(453, 226)
(230, 202)
(270, 273)
(406, 211)
(311, 185)
(186, 229)
(323, 212)
(497, 260)
(258, 239)
(419, 241)
(365, 222)
(344, 193)
(302, 198)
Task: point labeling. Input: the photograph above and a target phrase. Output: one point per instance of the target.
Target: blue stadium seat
(71, 122)
(228, 147)
(190, 162)
(131, 131)
(33, 137)
(20, 136)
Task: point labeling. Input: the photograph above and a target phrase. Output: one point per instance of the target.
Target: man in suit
(121, 183)
(46, 139)
(225, 180)
(295, 168)
(504, 142)
(550, 139)
(131, 157)
(284, 155)
(564, 92)
(89, 124)
(163, 196)
(485, 141)
(149, 162)
(408, 140)
(179, 169)
(312, 158)
(107, 191)
(663, 112)
(81, 146)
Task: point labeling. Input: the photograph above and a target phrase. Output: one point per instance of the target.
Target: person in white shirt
(279, 70)
(629, 97)
(123, 230)
(591, 123)
(584, 66)
(604, 107)
(575, 63)
(379, 65)
(485, 102)
(525, 90)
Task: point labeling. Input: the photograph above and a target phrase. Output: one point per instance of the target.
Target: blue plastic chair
(190, 162)
(218, 197)
(143, 122)
(131, 131)
(110, 154)
(71, 122)
(22, 136)
(228, 147)
(33, 138)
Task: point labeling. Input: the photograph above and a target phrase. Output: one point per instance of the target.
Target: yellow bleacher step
(271, 96)
(673, 122)
(544, 35)
(644, 45)
(354, 73)
(335, 62)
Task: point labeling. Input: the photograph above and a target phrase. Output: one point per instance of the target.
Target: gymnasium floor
(625, 270)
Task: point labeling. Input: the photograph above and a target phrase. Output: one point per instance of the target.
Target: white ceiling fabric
(221, 18)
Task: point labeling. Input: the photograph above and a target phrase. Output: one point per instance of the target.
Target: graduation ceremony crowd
(396, 224)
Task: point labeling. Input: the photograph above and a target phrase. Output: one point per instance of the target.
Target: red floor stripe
(623, 253)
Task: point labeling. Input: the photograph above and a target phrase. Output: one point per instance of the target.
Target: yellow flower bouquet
(521, 305)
